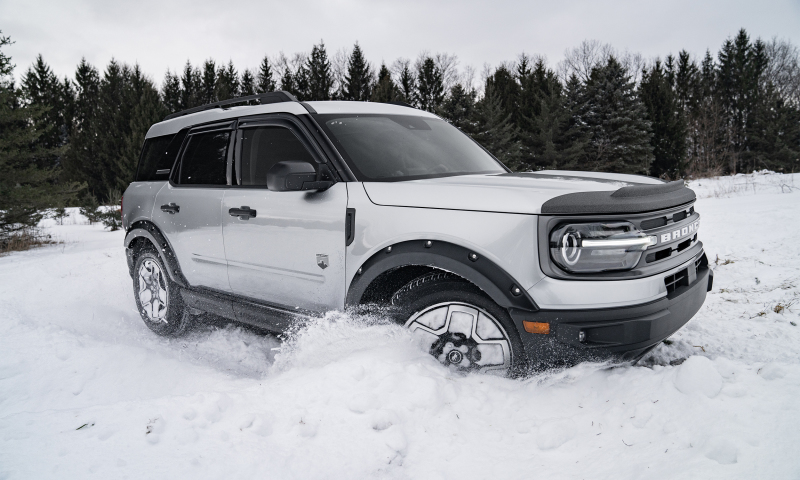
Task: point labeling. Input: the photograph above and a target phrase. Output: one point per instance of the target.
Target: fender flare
(148, 230)
(501, 287)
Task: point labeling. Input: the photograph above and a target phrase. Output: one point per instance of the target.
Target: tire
(158, 298)
(465, 329)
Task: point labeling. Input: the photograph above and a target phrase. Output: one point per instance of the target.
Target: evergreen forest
(76, 139)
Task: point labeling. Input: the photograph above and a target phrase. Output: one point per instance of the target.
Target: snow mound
(698, 375)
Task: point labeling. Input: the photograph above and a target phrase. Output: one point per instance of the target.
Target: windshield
(403, 147)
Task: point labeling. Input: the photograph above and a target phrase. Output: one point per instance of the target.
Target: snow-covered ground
(86, 391)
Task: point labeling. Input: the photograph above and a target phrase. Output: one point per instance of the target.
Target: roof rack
(263, 99)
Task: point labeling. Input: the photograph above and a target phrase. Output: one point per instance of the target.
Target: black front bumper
(624, 333)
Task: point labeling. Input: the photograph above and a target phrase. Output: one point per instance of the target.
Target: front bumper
(624, 333)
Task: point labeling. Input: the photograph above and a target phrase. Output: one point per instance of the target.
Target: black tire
(433, 289)
(174, 320)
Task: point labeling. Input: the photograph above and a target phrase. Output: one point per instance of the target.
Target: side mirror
(294, 176)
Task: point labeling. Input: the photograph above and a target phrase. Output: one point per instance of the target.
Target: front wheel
(460, 325)
(158, 299)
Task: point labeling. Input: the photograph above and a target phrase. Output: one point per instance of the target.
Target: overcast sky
(164, 34)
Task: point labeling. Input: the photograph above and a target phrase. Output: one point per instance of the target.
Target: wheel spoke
(153, 295)
(466, 337)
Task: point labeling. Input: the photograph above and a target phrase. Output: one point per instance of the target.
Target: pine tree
(357, 84)
(385, 90)
(493, 129)
(113, 117)
(616, 121)
(208, 83)
(264, 81)
(667, 121)
(191, 87)
(576, 136)
(319, 75)
(248, 84)
(26, 189)
(171, 92)
(80, 159)
(505, 86)
(227, 84)
(430, 86)
(407, 85)
(542, 116)
(458, 108)
(41, 88)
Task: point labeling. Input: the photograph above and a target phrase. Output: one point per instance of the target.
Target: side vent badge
(322, 261)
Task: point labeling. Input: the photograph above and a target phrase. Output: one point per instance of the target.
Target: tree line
(598, 109)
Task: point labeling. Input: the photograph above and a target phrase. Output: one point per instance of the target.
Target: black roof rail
(263, 99)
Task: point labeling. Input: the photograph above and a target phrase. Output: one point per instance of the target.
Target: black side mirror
(293, 176)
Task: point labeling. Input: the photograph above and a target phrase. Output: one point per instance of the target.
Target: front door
(188, 209)
(288, 250)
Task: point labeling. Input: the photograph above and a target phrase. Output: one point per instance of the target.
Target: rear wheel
(461, 326)
(158, 299)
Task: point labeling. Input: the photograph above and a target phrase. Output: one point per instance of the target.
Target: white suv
(268, 213)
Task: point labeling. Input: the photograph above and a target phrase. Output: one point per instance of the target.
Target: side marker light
(536, 327)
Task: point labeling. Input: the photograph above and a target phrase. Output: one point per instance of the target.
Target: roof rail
(263, 99)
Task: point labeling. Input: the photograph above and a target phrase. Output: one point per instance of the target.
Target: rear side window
(262, 148)
(156, 158)
(205, 159)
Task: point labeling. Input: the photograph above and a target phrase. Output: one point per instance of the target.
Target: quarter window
(205, 159)
(263, 147)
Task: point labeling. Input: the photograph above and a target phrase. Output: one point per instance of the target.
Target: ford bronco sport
(266, 210)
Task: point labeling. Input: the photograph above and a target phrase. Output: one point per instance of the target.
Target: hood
(505, 193)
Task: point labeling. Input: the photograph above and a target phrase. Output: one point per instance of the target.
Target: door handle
(172, 209)
(244, 213)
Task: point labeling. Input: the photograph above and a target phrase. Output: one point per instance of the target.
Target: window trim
(272, 120)
(175, 173)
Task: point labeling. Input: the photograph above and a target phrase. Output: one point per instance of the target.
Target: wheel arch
(143, 232)
(392, 267)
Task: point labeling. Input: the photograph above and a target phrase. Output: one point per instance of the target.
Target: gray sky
(163, 34)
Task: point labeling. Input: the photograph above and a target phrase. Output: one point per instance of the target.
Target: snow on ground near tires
(87, 391)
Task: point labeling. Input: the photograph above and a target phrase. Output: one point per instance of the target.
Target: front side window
(205, 159)
(263, 147)
(405, 147)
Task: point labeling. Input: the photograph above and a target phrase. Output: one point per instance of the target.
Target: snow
(86, 391)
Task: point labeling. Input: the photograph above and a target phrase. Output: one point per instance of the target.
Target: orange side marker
(536, 327)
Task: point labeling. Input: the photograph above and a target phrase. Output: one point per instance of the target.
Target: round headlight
(598, 247)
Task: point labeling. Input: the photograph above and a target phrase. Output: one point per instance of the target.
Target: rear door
(188, 209)
(290, 253)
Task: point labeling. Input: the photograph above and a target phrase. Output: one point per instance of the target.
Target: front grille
(676, 280)
(654, 223)
(679, 216)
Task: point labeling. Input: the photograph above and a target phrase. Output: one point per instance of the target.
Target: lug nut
(388, 249)
(428, 244)
(473, 256)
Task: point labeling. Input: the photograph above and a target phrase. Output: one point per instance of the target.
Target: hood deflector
(634, 199)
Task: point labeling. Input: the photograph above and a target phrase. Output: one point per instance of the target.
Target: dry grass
(25, 240)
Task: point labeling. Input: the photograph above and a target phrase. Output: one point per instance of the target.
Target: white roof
(330, 107)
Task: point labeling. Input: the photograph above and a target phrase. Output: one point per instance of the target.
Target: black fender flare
(148, 230)
(498, 284)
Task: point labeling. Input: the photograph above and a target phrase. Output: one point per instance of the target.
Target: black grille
(659, 255)
(676, 280)
(654, 223)
(679, 216)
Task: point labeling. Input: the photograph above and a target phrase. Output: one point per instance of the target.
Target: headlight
(598, 247)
